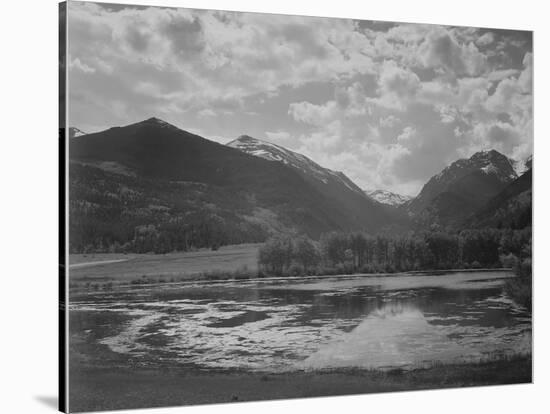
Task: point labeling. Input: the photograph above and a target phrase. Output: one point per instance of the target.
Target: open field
(115, 388)
(121, 267)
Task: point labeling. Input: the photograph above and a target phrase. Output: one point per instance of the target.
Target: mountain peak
(211, 179)
(274, 152)
(488, 161)
(388, 197)
(483, 174)
(262, 149)
(247, 138)
(156, 122)
(493, 162)
(488, 155)
(243, 141)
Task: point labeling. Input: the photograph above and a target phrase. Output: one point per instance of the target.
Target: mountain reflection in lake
(370, 322)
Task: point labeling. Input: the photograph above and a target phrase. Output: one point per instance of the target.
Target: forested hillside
(150, 186)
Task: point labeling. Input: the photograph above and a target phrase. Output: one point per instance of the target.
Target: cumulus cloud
(398, 81)
(76, 64)
(388, 106)
(313, 114)
(526, 77)
(396, 86)
(485, 39)
(407, 136)
(208, 56)
(442, 51)
(389, 122)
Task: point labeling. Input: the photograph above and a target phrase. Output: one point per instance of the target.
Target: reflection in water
(396, 334)
(295, 326)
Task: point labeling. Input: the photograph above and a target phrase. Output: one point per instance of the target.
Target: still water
(369, 322)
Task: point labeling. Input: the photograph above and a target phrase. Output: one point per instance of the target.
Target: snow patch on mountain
(274, 152)
(387, 197)
(490, 162)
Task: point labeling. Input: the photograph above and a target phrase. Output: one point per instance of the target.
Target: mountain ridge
(462, 187)
(388, 197)
(214, 182)
(274, 152)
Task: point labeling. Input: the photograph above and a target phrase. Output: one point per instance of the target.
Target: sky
(388, 104)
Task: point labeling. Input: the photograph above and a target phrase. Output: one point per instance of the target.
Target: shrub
(295, 270)
(275, 256)
(520, 287)
(305, 253)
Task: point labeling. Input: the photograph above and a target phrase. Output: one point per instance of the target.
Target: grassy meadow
(125, 268)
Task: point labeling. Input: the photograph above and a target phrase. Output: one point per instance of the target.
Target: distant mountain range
(155, 178)
(388, 198)
(335, 184)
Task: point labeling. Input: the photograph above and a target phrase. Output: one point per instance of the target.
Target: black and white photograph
(268, 206)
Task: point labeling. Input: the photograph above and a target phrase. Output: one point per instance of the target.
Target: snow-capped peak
(274, 152)
(488, 161)
(387, 197)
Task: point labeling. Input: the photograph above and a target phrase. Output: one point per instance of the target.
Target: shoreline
(201, 280)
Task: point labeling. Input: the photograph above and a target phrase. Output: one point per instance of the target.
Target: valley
(203, 267)
(151, 187)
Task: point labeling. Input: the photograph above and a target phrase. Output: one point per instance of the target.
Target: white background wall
(28, 229)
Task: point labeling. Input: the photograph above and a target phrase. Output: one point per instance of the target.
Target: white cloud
(441, 50)
(396, 86)
(389, 122)
(206, 112)
(486, 39)
(313, 114)
(81, 66)
(405, 101)
(210, 56)
(500, 74)
(526, 77)
(407, 136)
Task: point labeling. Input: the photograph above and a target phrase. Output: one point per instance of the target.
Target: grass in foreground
(114, 388)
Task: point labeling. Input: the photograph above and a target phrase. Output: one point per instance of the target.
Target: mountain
(510, 208)
(333, 184)
(462, 188)
(273, 152)
(75, 132)
(388, 198)
(155, 178)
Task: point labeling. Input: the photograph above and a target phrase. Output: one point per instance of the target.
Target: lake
(379, 322)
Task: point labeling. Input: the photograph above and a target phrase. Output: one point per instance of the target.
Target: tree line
(359, 252)
(114, 213)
